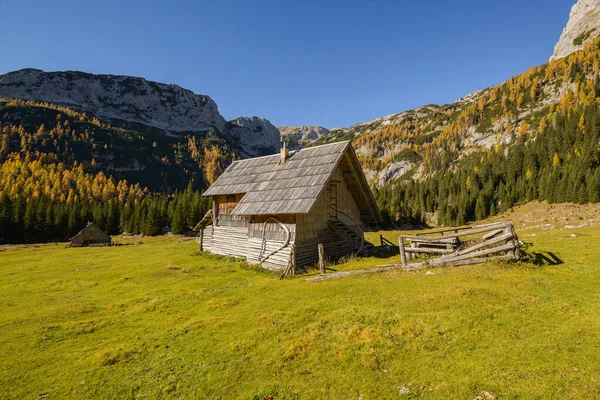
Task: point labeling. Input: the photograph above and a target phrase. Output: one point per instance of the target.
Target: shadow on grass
(539, 257)
(546, 259)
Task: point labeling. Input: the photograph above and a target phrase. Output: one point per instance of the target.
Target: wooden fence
(466, 245)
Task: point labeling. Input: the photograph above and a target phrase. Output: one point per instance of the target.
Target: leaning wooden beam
(291, 266)
(499, 249)
(425, 239)
(515, 241)
(484, 244)
(460, 228)
(475, 231)
(492, 234)
(344, 274)
(429, 250)
(452, 237)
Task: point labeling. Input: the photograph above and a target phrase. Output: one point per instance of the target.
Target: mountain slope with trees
(533, 137)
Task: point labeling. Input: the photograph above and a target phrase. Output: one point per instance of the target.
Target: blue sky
(330, 63)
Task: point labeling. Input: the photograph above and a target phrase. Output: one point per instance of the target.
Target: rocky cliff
(584, 23)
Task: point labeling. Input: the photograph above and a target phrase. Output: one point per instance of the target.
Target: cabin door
(333, 200)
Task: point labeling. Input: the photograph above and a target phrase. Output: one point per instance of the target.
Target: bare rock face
(304, 133)
(584, 23)
(256, 136)
(167, 107)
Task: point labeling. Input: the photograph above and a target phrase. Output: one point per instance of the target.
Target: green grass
(160, 320)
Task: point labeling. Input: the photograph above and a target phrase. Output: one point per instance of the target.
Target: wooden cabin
(91, 235)
(275, 210)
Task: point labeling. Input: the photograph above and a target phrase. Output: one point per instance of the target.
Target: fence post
(321, 259)
(402, 253)
(412, 255)
(293, 259)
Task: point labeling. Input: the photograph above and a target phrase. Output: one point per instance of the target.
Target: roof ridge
(294, 151)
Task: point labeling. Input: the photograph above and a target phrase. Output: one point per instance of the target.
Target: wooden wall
(273, 231)
(225, 206)
(206, 238)
(275, 236)
(276, 262)
(309, 225)
(229, 241)
(312, 228)
(307, 250)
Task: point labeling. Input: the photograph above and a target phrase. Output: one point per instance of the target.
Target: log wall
(273, 231)
(276, 262)
(206, 240)
(229, 241)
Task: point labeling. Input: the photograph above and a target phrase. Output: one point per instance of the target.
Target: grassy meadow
(156, 319)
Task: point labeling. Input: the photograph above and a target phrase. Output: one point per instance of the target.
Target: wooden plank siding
(230, 241)
(276, 262)
(225, 206)
(207, 234)
(311, 224)
(272, 230)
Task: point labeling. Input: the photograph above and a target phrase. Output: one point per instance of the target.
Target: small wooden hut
(275, 210)
(91, 235)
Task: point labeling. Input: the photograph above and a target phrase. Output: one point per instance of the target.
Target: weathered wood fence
(468, 245)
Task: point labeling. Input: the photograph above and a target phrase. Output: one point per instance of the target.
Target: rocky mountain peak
(257, 136)
(584, 23)
(304, 132)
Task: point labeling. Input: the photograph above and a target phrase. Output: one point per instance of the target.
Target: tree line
(42, 219)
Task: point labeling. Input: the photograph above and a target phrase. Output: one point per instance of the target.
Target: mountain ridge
(167, 107)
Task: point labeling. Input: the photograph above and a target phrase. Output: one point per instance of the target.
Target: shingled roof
(294, 186)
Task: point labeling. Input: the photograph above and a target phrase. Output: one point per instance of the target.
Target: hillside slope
(126, 150)
(401, 145)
